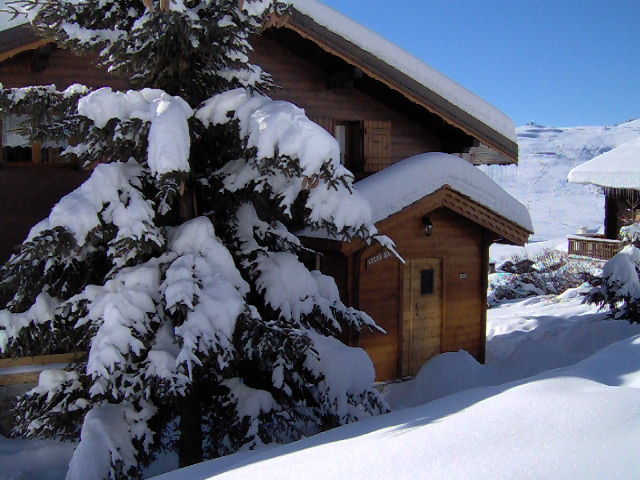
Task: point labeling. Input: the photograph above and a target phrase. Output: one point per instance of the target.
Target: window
(349, 136)
(365, 146)
(16, 149)
(426, 282)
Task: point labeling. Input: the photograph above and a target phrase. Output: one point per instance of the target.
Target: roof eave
(16, 40)
(404, 84)
(448, 197)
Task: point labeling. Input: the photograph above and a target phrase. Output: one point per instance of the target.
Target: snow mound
(406, 63)
(406, 182)
(524, 338)
(575, 422)
(617, 168)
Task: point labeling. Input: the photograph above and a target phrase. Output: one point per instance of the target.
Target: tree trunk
(190, 443)
(186, 204)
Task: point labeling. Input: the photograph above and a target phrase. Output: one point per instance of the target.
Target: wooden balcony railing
(593, 246)
(14, 371)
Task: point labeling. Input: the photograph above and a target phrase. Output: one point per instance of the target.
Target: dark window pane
(426, 283)
(16, 154)
(349, 136)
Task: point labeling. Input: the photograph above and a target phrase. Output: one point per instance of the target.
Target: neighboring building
(618, 173)
(383, 106)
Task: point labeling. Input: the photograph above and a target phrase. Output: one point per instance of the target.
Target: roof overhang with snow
(378, 58)
(426, 182)
(410, 76)
(16, 40)
(617, 168)
(447, 197)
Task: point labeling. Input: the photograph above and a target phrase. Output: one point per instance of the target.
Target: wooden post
(1, 145)
(36, 153)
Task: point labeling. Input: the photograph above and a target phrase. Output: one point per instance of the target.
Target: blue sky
(556, 62)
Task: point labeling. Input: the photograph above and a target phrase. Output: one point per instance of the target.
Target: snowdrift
(573, 422)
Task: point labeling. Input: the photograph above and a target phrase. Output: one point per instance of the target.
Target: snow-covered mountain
(547, 154)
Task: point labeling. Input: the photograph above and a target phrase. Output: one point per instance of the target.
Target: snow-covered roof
(443, 96)
(408, 64)
(617, 168)
(410, 180)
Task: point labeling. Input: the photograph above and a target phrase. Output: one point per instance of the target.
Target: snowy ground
(516, 417)
(571, 422)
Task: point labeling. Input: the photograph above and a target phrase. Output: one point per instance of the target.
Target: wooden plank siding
(304, 82)
(459, 243)
(62, 69)
(380, 296)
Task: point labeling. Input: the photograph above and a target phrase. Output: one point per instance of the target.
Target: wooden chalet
(436, 300)
(617, 172)
(383, 106)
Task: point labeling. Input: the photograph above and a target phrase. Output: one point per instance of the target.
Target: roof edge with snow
(405, 73)
(617, 168)
(379, 58)
(434, 180)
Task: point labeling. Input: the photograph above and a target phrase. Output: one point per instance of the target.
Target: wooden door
(422, 313)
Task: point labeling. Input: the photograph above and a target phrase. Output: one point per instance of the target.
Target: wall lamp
(428, 226)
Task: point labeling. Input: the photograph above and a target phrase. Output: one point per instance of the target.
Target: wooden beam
(36, 153)
(19, 378)
(25, 48)
(40, 360)
(35, 362)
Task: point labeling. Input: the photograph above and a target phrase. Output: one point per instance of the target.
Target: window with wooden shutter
(377, 145)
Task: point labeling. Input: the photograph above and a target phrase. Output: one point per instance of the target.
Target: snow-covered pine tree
(174, 271)
(618, 289)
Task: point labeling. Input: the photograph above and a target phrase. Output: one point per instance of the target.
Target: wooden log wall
(460, 244)
(58, 67)
(303, 81)
(27, 196)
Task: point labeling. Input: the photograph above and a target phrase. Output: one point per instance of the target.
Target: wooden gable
(447, 197)
(503, 150)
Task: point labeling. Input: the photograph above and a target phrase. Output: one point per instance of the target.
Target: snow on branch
(204, 282)
(111, 195)
(169, 140)
(107, 441)
(288, 286)
(123, 315)
(289, 154)
(41, 312)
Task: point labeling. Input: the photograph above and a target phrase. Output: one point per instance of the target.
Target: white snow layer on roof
(406, 63)
(406, 182)
(617, 168)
